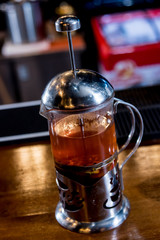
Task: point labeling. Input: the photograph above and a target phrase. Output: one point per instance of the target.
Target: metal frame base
(92, 227)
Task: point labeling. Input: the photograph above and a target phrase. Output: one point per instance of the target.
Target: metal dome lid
(77, 89)
(84, 90)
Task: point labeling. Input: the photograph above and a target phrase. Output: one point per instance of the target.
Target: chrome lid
(67, 91)
(77, 89)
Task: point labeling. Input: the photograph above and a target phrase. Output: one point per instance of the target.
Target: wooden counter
(28, 195)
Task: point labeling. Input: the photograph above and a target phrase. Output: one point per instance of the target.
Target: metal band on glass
(79, 203)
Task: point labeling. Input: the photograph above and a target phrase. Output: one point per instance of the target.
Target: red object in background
(129, 47)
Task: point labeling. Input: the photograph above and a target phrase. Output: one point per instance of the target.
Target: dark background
(21, 120)
(85, 9)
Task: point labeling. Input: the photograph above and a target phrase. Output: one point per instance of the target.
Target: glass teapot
(80, 105)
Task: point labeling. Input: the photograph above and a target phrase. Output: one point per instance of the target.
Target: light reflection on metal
(87, 90)
(90, 227)
(80, 203)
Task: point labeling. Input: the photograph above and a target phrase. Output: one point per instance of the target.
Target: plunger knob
(67, 23)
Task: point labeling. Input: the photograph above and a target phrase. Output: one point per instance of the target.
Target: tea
(83, 142)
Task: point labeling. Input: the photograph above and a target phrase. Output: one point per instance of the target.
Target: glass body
(89, 178)
(83, 140)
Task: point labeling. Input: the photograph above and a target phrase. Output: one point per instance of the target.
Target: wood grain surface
(29, 195)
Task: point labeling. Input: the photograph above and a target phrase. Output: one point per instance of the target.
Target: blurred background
(118, 38)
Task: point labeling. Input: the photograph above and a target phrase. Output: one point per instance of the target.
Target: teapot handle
(131, 109)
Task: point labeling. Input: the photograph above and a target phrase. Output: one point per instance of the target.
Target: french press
(80, 106)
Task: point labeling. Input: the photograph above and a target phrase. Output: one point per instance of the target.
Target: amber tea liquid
(83, 142)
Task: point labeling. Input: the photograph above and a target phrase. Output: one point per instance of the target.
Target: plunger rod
(71, 52)
(68, 24)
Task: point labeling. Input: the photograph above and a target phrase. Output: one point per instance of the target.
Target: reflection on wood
(28, 195)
